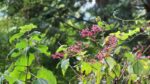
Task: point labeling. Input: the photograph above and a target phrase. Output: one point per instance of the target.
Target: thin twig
(123, 70)
(74, 70)
(146, 49)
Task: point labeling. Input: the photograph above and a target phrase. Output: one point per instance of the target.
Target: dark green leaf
(40, 81)
(47, 75)
(138, 67)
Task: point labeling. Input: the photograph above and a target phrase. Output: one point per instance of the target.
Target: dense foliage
(74, 42)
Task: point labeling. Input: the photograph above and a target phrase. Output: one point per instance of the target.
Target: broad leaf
(117, 70)
(22, 44)
(15, 36)
(86, 67)
(44, 49)
(138, 67)
(40, 81)
(64, 65)
(27, 28)
(25, 60)
(47, 75)
(130, 57)
(111, 62)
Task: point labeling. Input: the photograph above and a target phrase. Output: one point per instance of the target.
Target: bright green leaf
(15, 36)
(62, 48)
(86, 67)
(44, 49)
(22, 44)
(130, 57)
(27, 28)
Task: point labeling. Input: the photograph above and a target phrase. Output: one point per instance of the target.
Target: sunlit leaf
(130, 57)
(22, 44)
(86, 67)
(62, 48)
(27, 28)
(25, 60)
(44, 49)
(15, 36)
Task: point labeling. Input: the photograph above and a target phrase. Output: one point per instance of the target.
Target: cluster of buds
(74, 49)
(139, 50)
(90, 32)
(100, 55)
(109, 45)
(57, 55)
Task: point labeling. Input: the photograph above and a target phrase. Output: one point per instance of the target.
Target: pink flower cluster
(57, 55)
(100, 55)
(110, 44)
(76, 48)
(139, 50)
(90, 32)
(112, 41)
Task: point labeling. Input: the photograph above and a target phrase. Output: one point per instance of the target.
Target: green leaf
(64, 66)
(117, 50)
(112, 74)
(40, 81)
(132, 77)
(22, 61)
(138, 67)
(35, 38)
(130, 57)
(27, 28)
(117, 69)
(44, 49)
(130, 69)
(15, 54)
(22, 44)
(96, 66)
(123, 36)
(18, 74)
(97, 69)
(100, 23)
(86, 67)
(62, 48)
(15, 36)
(111, 62)
(11, 80)
(46, 75)
(109, 80)
(146, 66)
(25, 61)
(31, 58)
(11, 52)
